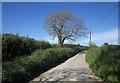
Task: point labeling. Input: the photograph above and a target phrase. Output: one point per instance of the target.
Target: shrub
(14, 46)
(23, 69)
(106, 44)
(112, 78)
(76, 47)
(43, 44)
(105, 61)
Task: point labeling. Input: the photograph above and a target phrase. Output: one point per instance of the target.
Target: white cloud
(110, 36)
(51, 40)
(119, 36)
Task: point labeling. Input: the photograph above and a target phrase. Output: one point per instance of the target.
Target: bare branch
(65, 26)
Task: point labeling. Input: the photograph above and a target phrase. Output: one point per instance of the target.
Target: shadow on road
(81, 74)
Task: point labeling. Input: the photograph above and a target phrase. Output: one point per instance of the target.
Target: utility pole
(90, 36)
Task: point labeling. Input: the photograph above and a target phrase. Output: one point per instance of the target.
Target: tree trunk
(60, 44)
(61, 41)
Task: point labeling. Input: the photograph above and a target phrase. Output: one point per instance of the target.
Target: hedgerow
(76, 47)
(23, 69)
(14, 46)
(23, 57)
(105, 61)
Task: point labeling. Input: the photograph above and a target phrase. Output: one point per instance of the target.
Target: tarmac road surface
(73, 69)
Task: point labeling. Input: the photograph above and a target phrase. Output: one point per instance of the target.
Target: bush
(14, 46)
(23, 69)
(105, 61)
(43, 45)
(76, 47)
(106, 44)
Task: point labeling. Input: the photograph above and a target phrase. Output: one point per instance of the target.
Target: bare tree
(65, 26)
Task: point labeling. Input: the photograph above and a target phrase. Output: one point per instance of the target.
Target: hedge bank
(105, 61)
(23, 69)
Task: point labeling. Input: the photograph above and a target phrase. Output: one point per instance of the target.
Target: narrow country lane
(74, 69)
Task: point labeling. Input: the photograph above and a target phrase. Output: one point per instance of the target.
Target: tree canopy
(65, 26)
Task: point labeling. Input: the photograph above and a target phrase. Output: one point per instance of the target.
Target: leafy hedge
(14, 46)
(23, 69)
(77, 47)
(105, 61)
